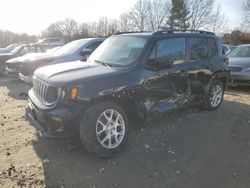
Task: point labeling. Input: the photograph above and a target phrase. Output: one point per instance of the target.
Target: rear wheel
(104, 129)
(214, 96)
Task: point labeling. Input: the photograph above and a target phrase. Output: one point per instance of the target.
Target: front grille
(235, 69)
(45, 92)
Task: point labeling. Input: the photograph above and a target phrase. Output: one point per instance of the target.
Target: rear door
(201, 57)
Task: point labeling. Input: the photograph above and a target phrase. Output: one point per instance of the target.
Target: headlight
(73, 93)
(246, 69)
(59, 92)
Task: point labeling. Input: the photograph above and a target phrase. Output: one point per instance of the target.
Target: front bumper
(58, 122)
(27, 79)
(239, 78)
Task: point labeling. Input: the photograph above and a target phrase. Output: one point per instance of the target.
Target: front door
(167, 86)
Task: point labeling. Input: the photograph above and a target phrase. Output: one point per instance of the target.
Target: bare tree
(218, 21)
(139, 14)
(158, 13)
(92, 29)
(70, 29)
(125, 23)
(245, 22)
(201, 12)
(66, 29)
(112, 26)
(103, 26)
(54, 30)
(8, 37)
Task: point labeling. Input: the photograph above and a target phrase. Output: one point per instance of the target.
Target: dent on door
(166, 89)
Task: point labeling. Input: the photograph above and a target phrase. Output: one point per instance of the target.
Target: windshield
(15, 50)
(119, 50)
(71, 47)
(243, 51)
(12, 46)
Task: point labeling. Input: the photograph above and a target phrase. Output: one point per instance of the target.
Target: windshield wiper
(103, 63)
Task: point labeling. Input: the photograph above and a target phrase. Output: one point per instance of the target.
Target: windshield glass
(243, 51)
(119, 50)
(71, 47)
(12, 46)
(15, 50)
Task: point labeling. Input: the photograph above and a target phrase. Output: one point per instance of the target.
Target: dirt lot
(189, 148)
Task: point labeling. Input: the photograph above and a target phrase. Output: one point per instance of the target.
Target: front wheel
(104, 129)
(214, 96)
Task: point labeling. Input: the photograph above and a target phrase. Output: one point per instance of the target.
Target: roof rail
(172, 31)
(127, 32)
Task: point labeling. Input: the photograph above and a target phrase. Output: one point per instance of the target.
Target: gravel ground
(187, 148)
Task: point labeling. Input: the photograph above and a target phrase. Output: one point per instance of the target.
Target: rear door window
(199, 49)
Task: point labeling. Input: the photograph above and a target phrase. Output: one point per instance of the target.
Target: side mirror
(165, 63)
(152, 64)
(86, 52)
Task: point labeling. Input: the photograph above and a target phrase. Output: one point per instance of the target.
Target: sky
(33, 16)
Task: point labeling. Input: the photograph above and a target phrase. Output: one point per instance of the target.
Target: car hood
(4, 57)
(26, 57)
(76, 72)
(43, 57)
(239, 61)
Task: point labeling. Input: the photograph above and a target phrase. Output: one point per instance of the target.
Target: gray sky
(33, 16)
(233, 11)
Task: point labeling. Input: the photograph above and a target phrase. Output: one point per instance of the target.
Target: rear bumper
(54, 123)
(239, 78)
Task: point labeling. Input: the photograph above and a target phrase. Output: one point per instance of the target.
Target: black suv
(130, 75)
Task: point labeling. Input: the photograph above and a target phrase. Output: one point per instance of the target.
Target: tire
(214, 96)
(100, 135)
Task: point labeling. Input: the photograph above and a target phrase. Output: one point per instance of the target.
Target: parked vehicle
(51, 41)
(8, 48)
(52, 50)
(75, 50)
(128, 76)
(12, 66)
(18, 52)
(239, 65)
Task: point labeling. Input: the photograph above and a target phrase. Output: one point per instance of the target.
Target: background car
(8, 48)
(75, 50)
(20, 51)
(51, 41)
(239, 65)
(12, 65)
